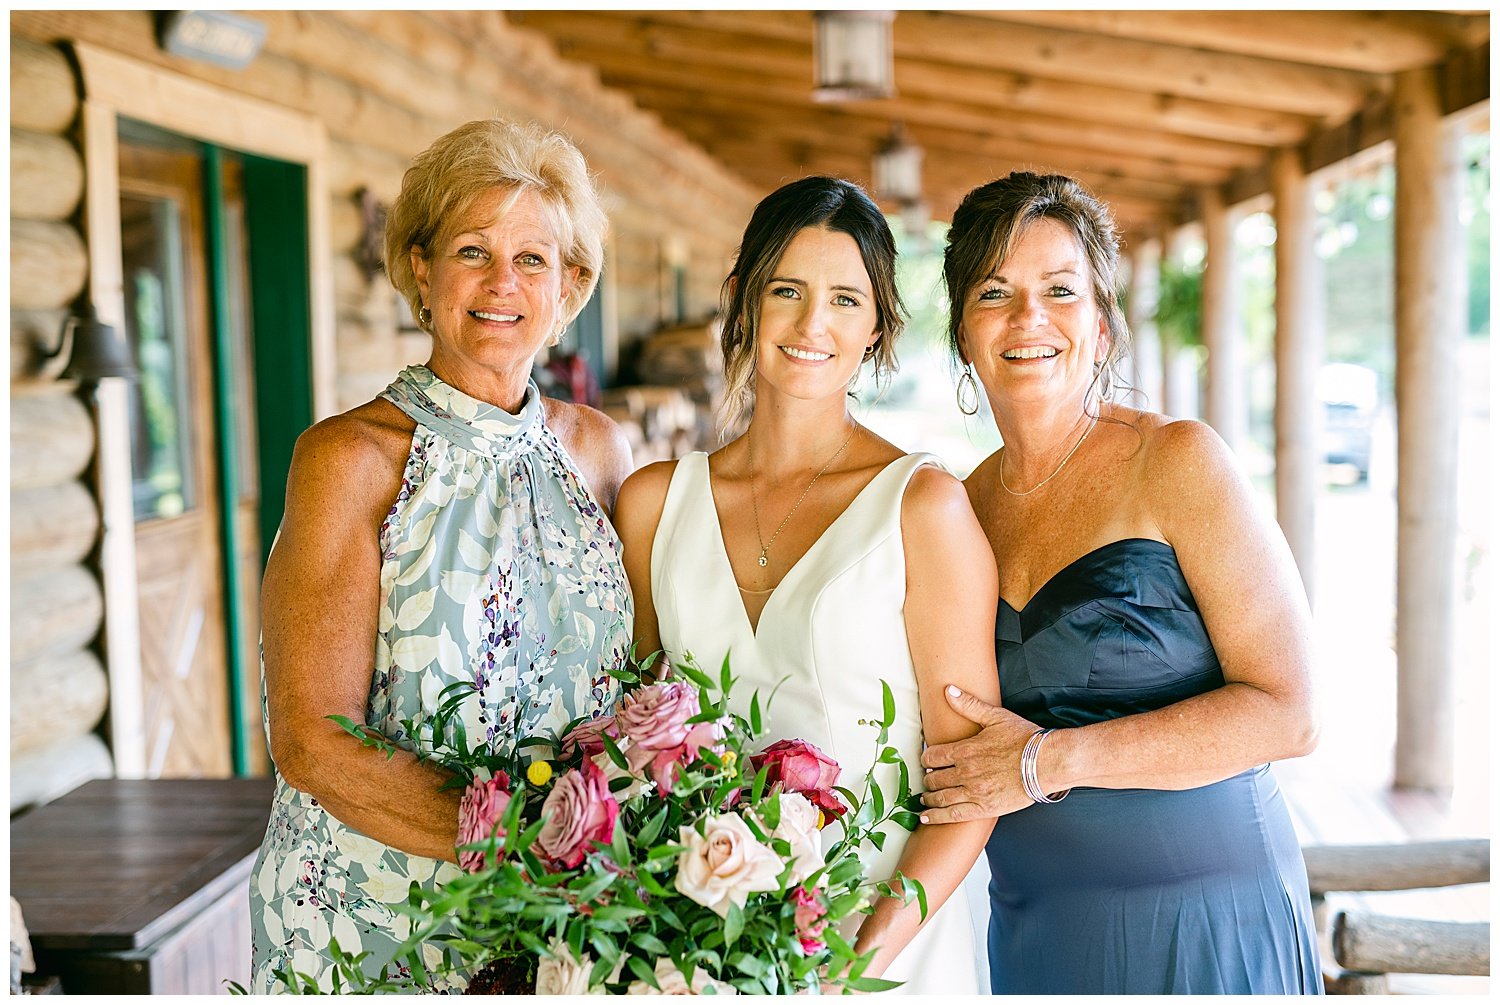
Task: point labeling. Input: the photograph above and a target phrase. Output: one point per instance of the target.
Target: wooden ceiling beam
(1361, 40)
(701, 114)
(1004, 93)
(1029, 129)
(962, 39)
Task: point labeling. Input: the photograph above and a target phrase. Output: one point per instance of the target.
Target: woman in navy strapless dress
(1152, 641)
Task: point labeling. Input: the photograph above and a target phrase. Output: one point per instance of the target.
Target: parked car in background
(1350, 394)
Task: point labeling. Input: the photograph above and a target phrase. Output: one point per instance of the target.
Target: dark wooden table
(141, 886)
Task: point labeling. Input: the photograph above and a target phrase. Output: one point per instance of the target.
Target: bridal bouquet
(661, 849)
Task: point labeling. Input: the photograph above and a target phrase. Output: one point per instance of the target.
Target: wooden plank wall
(385, 84)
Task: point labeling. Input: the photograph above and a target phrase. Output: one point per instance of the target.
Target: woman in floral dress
(455, 529)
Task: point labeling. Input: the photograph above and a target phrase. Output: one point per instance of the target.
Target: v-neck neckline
(734, 584)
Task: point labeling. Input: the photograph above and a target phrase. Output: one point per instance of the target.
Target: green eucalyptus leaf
(869, 984)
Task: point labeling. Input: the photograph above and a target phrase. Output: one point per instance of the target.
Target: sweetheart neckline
(1088, 554)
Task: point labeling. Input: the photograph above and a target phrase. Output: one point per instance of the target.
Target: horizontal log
(46, 176)
(56, 611)
(48, 264)
(55, 697)
(1368, 41)
(31, 333)
(51, 526)
(51, 771)
(1415, 865)
(43, 93)
(1379, 944)
(51, 438)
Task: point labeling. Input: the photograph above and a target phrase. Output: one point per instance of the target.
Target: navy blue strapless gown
(1137, 891)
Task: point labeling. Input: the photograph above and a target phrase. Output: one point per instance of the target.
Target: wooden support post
(1429, 290)
(1299, 352)
(1145, 284)
(1224, 391)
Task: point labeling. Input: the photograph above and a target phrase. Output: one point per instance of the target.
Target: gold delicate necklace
(1063, 463)
(765, 545)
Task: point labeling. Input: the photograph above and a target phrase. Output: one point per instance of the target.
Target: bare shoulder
(371, 441)
(643, 495)
(1181, 452)
(595, 442)
(934, 496)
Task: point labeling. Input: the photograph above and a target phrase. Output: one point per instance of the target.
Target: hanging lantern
(853, 55)
(898, 169)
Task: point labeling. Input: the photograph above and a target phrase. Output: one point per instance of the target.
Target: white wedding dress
(834, 629)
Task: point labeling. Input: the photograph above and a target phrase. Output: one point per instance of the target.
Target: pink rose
(586, 736)
(655, 721)
(809, 919)
(479, 814)
(798, 766)
(656, 717)
(578, 811)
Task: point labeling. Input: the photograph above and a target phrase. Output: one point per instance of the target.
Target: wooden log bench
(141, 887)
(1370, 945)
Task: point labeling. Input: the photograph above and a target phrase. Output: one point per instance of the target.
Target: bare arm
(320, 602)
(1242, 575)
(951, 594)
(642, 498)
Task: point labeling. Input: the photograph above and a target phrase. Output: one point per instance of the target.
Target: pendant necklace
(765, 546)
(1066, 458)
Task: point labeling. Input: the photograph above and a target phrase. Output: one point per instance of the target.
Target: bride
(810, 550)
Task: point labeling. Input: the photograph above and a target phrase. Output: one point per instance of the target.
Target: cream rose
(724, 864)
(672, 982)
(798, 827)
(560, 974)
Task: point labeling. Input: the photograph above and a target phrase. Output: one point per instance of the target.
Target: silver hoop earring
(971, 406)
(424, 316)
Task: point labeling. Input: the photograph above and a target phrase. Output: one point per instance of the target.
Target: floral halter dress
(500, 569)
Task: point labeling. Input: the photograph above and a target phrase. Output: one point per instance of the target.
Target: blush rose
(479, 814)
(578, 811)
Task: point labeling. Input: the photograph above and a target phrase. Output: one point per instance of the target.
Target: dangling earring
(424, 316)
(557, 335)
(971, 407)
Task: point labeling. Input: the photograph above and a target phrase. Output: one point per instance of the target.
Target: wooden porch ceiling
(1146, 107)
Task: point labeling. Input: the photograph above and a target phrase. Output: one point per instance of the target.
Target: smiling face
(1032, 328)
(817, 316)
(495, 283)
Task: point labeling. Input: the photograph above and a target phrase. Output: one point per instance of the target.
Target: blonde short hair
(446, 178)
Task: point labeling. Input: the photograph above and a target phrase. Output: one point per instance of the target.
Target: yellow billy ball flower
(729, 757)
(539, 773)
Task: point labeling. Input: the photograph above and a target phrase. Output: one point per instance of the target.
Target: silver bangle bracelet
(1029, 781)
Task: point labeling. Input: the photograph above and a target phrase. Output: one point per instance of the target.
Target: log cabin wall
(58, 687)
(385, 85)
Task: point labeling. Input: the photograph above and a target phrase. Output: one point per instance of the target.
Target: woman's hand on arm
(320, 605)
(951, 594)
(1252, 601)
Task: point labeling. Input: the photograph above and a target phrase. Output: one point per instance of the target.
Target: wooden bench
(1370, 945)
(141, 887)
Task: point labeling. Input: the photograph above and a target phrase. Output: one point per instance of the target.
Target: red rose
(798, 766)
(479, 814)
